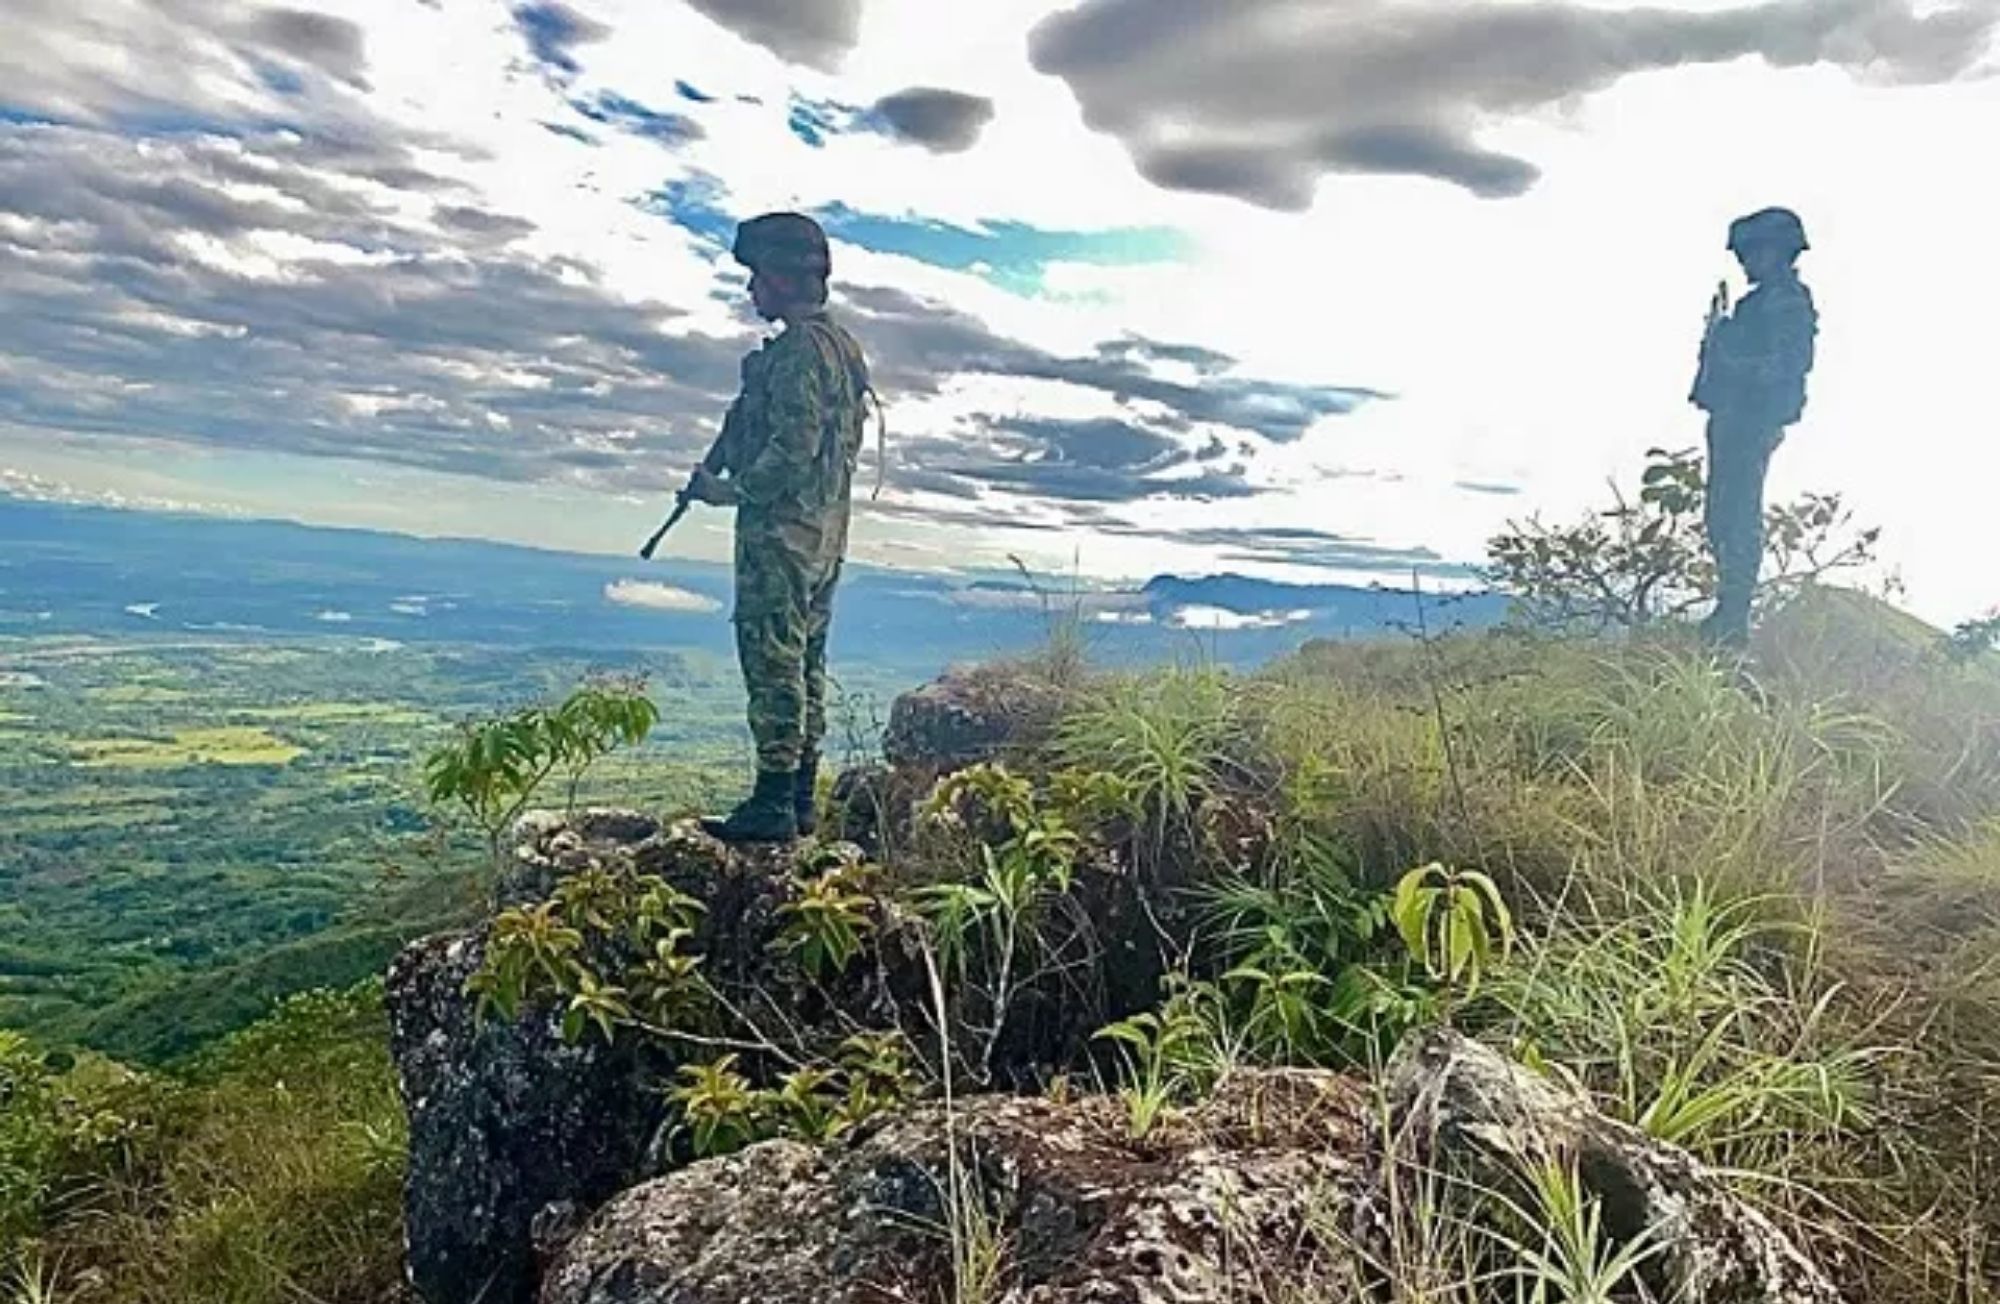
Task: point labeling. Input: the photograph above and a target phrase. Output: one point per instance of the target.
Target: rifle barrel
(681, 504)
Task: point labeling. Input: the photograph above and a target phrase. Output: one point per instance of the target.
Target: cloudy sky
(1304, 288)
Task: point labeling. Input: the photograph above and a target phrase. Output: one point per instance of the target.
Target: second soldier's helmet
(783, 242)
(1779, 227)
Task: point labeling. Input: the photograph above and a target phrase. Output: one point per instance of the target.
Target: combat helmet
(1769, 226)
(783, 242)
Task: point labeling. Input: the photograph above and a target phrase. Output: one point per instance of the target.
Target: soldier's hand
(707, 487)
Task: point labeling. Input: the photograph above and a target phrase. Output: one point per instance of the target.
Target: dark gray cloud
(1063, 480)
(1099, 460)
(1102, 443)
(917, 344)
(1298, 546)
(333, 45)
(139, 305)
(817, 33)
(1259, 99)
(947, 122)
(123, 318)
(171, 59)
(1206, 361)
(480, 224)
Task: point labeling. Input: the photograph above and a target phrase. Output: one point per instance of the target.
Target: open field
(228, 745)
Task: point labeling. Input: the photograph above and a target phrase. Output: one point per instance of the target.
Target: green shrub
(271, 1172)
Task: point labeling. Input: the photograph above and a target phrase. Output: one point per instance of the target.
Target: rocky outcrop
(513, 1129)
(1053, 1201)
(536, 1163)
(510, 1123)
(1460, 1107)
(505, 1119)
(966, 717)
(1276, 1188)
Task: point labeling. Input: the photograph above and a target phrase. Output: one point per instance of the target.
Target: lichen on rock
(1076, 1210)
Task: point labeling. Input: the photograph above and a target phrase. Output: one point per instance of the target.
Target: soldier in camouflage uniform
(785, 460)
(1752, 384)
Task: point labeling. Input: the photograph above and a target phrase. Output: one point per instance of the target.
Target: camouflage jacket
(789, 446)
(1755, 363)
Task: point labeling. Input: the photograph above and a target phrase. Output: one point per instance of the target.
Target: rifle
(681, 504)
(1718, 307)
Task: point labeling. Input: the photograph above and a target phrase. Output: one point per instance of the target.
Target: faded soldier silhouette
(1752, 384)
(785, 460)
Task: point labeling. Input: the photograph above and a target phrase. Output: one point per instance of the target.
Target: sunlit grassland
(215, 745)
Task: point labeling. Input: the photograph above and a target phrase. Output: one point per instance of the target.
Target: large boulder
(510, 1123)
(1462, 1108)
(506, 1119)
(1278, 1187)
(963, 718)
(966, 717)
(1056, 1198)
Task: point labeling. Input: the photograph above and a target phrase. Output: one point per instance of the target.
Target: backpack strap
(864, 392)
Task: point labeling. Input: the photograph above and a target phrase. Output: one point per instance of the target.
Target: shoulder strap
(850, 353)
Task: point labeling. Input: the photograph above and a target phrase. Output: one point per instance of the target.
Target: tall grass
(1761, 904)
(273, 1176)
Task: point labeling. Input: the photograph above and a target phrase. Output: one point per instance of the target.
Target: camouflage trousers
(1739, 458)
(782, 622)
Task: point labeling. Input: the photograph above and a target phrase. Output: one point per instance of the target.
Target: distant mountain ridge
(121, 573)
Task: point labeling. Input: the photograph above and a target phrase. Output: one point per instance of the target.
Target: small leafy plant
(1646, 560)
(554, 949)
(1166, 1055)
(719, 1107)
(494, 768)
(722, 1110)
(826, 925)
(1455, 924)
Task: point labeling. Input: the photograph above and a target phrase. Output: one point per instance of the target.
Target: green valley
(189, 829)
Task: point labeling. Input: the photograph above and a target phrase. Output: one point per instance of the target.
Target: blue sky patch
(808, 128)
(1012, 255)
(282, 81)
(551, 31)
(688, 92)
(615, 110)
(812, 121)
(574, 133)
(695, 205)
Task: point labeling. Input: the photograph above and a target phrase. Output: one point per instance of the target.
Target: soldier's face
(764, 296)
(1761, 261)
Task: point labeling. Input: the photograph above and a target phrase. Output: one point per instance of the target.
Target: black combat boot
(766, 817)
(805, 795)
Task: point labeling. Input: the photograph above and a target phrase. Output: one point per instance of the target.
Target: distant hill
(1328, 609)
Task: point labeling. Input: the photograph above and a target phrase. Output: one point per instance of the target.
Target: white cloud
(1224, 620)
(659, 597)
